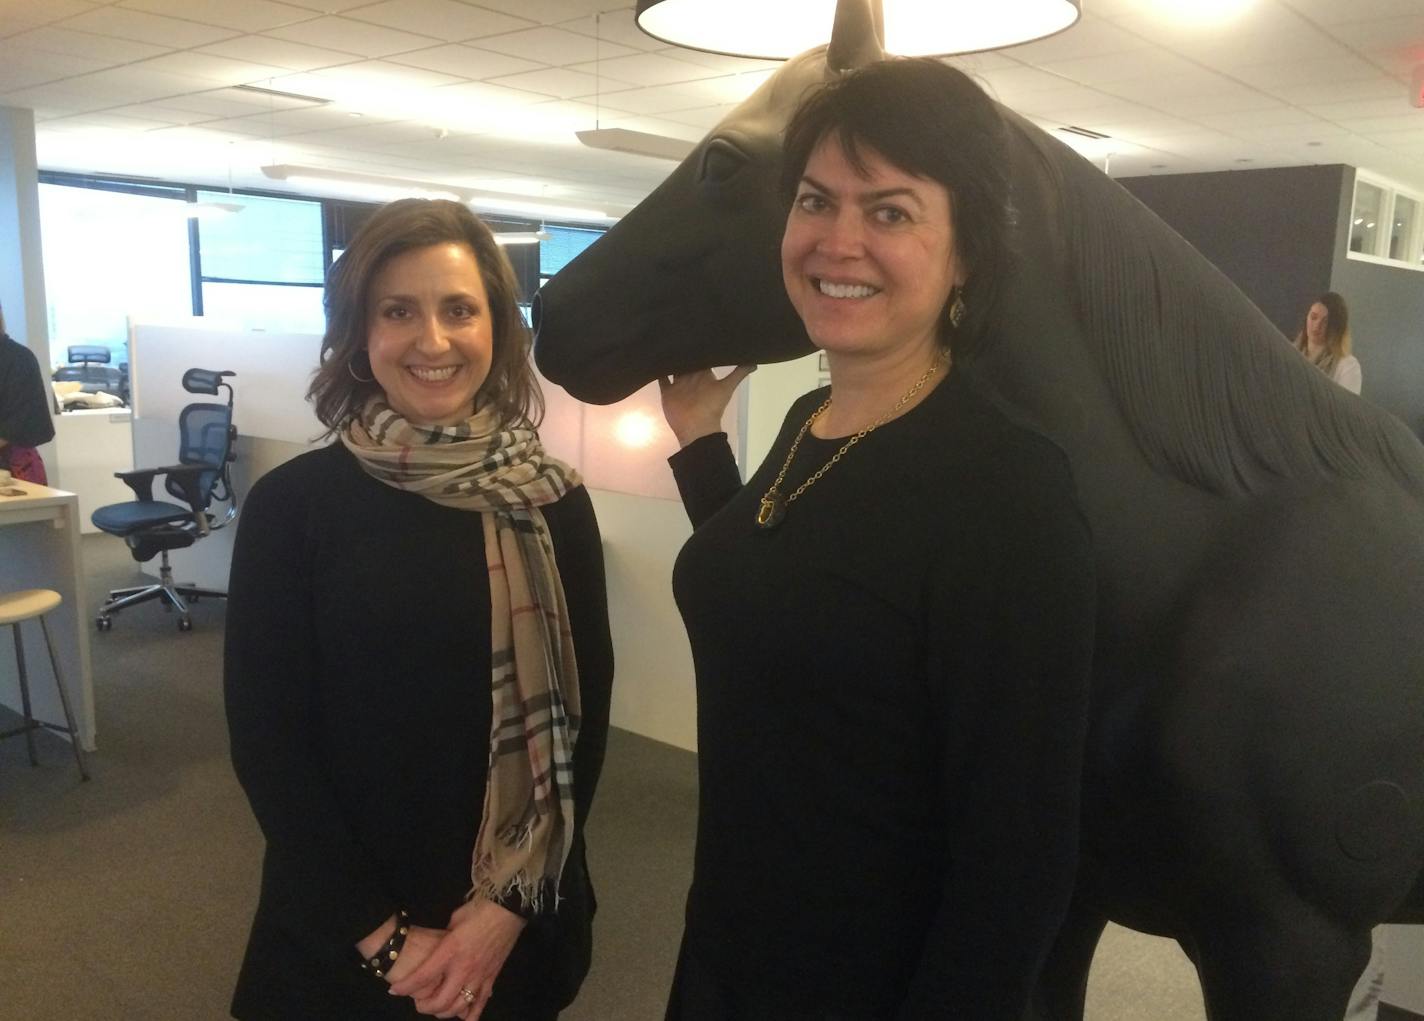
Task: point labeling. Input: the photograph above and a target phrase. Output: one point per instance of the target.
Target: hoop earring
(370, 379)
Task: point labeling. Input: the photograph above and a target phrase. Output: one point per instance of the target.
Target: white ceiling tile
(558, 82)
(382, 74)
(249, 15)
(1089, 38)
(211, 67)
(105, 49)
(720, 62)
(355, 36)
(109, 119)
(1116, 67)
(651, 69)
(328, 6)
(1407, 121)
(261, 49)
(447, 20)
(1333, 12)
(147, 28)
(1284, 73)
(22, 15)
(548, 12)
(21, 67)
(1227, 102)
(615, 27)
(466, 61)
(553, 46)
(658, 99)
(162, 113)
(1239, 122)
(704, 119)
(1385, 35)
(1349, 112)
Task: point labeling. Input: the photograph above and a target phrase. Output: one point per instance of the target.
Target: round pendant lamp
(778, 29)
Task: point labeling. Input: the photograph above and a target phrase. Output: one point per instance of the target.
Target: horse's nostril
(535, 305)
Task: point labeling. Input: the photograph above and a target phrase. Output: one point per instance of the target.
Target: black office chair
(200, 479)
(89, 367)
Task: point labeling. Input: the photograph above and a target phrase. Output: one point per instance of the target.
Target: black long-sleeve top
(357, 681)
(892, 701)
(24, 408)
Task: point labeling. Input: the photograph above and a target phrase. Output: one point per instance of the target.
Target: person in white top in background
(1324, 340)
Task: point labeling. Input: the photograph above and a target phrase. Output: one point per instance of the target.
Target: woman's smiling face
(429, 335)
(868, 261)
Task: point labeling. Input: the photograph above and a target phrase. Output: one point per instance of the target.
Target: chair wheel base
(185, 623)
(104, 623)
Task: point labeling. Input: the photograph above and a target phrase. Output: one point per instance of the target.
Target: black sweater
(24, 405)
(357, 682)
(892, 701)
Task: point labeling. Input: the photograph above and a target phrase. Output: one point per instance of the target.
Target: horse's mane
(1213, 392)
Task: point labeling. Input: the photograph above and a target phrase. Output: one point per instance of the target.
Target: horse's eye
(720, 161)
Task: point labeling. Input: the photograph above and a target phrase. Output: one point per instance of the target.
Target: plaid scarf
(502, 473)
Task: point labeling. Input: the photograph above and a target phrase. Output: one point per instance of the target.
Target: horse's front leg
(1063, 984)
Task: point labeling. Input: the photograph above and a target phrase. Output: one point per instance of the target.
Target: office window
(111, 255)
(1386, 224)
(1404, 224)
(1364, 224)
(263, 264)
(269, 240)
(564, 244)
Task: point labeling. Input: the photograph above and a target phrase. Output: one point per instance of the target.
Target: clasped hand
(437, 966)
(693, 402)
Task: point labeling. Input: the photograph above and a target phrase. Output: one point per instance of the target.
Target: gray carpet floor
(129, 897)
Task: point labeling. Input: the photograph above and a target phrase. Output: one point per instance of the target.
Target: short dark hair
(932, 121)
(393, 229)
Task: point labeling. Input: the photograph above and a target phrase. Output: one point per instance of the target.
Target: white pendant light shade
(778, 29)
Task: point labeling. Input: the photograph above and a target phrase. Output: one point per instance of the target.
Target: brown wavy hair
(1337, 329)
(398, 227)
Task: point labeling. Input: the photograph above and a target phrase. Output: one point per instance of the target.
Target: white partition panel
(273, 419)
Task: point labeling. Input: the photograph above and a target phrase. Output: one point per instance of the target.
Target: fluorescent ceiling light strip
(385, 188)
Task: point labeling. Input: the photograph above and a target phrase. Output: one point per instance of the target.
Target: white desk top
(35, 498)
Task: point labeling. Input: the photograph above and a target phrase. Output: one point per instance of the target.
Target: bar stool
(18, 606)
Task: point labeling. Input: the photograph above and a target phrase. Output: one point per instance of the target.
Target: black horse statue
(1254, 785)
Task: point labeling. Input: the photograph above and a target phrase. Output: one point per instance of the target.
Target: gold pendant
(773, 509)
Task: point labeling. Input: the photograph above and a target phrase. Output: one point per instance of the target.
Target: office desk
(39, 548)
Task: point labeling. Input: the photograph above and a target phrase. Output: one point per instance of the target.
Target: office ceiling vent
(1073, 129)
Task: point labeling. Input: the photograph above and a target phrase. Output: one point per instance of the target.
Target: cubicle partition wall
(273, 419)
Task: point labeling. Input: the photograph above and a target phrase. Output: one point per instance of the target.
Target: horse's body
(1254, 784)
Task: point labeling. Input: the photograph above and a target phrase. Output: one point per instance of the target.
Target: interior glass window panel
(268, 239)
(1364, 222)
(1406, 214)
(562, 246)
(273, 308)
(111, 256)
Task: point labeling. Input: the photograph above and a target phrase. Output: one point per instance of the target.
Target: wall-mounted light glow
(635, 429)
(775, 31)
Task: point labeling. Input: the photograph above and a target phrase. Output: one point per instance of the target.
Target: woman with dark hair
(418, 661)
(892, 621)
(1324, 340)
(25, 420)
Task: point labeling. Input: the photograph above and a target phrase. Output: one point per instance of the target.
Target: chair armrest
(140, 480)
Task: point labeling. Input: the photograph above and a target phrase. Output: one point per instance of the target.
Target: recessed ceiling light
(1314, 144)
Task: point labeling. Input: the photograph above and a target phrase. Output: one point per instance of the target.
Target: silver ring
(469, 996)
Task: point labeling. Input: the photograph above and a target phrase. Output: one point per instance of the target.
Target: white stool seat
(18, 606)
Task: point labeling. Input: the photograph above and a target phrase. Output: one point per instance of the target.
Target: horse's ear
(858, 36)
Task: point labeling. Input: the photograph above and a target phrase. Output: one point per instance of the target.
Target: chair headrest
(85, 354)
(205, 381)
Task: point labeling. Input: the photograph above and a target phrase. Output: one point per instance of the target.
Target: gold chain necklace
(774, 504)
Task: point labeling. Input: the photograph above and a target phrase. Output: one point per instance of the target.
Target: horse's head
(691, 277)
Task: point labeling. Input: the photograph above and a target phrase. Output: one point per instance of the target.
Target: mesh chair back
(204, 436)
